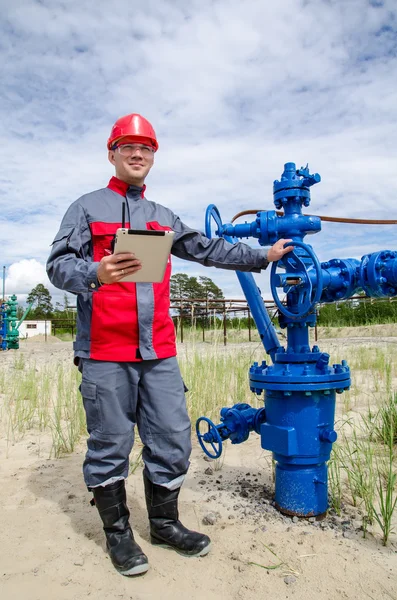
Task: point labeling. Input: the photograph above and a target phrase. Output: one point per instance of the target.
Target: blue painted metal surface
(236, 424)
(300, 386)
(259, 313)
(298, 279)
(3, 326)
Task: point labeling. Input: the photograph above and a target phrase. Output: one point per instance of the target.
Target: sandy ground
(52, 544)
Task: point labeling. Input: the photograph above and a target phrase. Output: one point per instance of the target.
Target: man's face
(132, 162)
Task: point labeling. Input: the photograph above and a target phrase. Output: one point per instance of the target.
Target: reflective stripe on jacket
(129, 321)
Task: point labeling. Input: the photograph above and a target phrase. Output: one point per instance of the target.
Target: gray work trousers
(118, 396)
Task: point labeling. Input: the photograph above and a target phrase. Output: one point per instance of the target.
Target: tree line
(353, 313)
(44, 308)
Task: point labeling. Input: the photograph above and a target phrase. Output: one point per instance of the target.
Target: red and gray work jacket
(129, 321)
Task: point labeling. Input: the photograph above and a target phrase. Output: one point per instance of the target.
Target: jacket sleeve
(191, 244)
(70, 266)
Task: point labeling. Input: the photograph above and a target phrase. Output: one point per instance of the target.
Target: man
(125, 346)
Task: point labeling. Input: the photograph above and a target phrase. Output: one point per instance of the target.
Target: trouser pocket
(89, 393)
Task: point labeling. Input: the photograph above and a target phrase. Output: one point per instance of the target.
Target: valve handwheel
(212, 212)
(215, 442)
(308, 296)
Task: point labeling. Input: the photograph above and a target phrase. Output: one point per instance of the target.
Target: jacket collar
(121, 187)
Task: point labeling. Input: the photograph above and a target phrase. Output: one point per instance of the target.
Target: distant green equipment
(9, 324)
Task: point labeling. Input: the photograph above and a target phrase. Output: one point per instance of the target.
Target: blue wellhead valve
(299, 385)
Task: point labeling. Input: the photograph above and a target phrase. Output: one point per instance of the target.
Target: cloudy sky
(234, 89)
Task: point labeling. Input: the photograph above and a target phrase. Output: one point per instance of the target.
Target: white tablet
(151, 247)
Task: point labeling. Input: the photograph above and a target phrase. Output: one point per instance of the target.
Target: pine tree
(42, 302)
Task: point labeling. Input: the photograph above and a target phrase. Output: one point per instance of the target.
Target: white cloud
(24, 275)
(234, 89)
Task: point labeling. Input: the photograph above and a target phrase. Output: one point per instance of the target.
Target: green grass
(363, 474)
(381, 423)
(67, 416)
(362, 470)
(65, 336)
(216, 378)
(45, 399)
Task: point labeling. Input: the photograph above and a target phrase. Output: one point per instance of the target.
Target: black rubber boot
(165, 527)
(127, 557)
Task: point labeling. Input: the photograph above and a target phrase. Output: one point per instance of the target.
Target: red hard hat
(133, 126)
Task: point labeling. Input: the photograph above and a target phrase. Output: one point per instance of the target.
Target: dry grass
(44, 396)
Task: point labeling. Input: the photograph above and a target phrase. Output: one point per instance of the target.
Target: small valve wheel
(213, 213)
(211, 437)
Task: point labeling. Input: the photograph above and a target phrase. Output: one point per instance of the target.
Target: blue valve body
(300, 386)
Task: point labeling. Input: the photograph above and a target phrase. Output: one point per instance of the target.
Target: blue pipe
(259, 313)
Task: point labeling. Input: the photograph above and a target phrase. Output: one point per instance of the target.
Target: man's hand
(115, 267)
(277, 251)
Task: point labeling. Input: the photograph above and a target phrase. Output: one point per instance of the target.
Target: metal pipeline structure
(299, 385)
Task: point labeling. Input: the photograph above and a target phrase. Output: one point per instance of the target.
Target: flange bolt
(328, 436)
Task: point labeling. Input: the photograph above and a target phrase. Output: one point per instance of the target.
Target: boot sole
(202, 552)
(138, 570)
